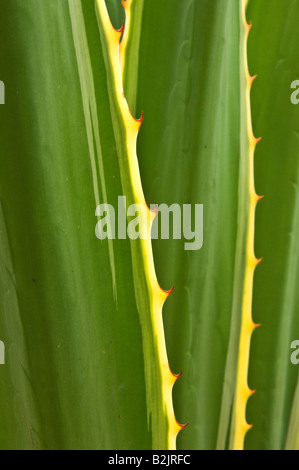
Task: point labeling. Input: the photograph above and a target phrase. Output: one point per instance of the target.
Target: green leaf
(86, 363)
(273, 52)
(150, 297)
(69, 319)
(189, 149)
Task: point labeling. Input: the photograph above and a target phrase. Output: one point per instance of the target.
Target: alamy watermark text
(135, 222)
(2, 353)
(295, 94)
(2, 93)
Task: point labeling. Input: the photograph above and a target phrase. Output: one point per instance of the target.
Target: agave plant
(154, 102)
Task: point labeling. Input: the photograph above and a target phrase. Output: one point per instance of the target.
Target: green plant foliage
(68, 312)
(82, 348)
(189, 153)
(273, 52)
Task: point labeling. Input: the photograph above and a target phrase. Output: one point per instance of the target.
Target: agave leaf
(246, 263)
(273, 52)
(150, 297)
(81, 319)
(189, 149)
(66, 298)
